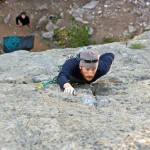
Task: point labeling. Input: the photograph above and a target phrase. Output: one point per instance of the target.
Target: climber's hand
(69, 89)
(19, 25)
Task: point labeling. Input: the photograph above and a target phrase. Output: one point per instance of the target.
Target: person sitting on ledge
(86, 68)
(22, 20)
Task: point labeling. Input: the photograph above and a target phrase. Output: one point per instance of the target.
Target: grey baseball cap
(89, 59)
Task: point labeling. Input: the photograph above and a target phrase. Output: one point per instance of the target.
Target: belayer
(22, 19)
(86, 68)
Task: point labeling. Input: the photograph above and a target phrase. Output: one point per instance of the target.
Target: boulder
(42, 7)
(7, 18)
(41, 22)
(91, 5)
(47, 35)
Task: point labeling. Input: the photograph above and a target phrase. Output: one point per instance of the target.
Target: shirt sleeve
(105, 63)
(27, 20)
(17, 19)
(66, 71)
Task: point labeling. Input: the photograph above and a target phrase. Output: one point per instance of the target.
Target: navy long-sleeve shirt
(24, 21)
(70, 72)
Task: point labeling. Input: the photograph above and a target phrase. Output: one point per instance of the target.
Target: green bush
(78, 36)
(56, 17)
(137, 46)
(63, 36)
(72, 18)
(146, 29)
(108, 40)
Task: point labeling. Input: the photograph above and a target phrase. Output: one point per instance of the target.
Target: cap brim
(84, 64)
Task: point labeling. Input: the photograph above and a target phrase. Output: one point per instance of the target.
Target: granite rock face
(111, 113)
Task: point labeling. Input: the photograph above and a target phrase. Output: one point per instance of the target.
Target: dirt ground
(111, 24)
(14, 7)
(39, 45)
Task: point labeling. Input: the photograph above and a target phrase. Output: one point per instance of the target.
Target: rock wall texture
(111, 114)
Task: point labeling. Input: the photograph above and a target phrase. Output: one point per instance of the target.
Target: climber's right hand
(69, 89)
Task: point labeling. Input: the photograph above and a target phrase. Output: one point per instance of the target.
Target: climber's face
(88, 72)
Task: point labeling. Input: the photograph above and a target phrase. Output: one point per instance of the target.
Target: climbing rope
(53, 81)
(41, 86)
(41, 38)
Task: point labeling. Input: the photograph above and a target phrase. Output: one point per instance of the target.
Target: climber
(86, 68)
(23, 19)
